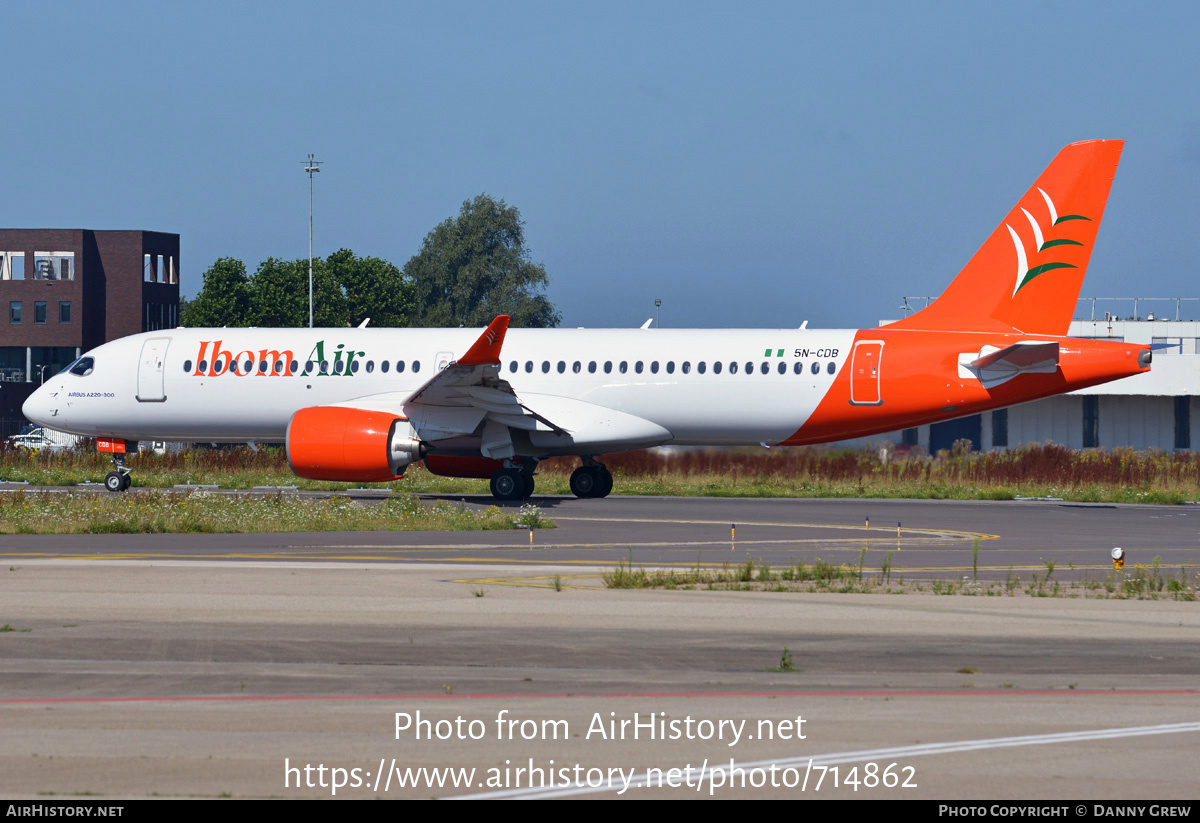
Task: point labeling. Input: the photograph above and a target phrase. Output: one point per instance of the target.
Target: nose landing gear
(120, 479)
(117, 480)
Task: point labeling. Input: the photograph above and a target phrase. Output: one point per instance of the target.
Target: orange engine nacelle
(337, 443)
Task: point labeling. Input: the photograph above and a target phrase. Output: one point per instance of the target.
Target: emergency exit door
(150, 388)
(865, 373)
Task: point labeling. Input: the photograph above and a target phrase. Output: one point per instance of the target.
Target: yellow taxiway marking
(881, 530)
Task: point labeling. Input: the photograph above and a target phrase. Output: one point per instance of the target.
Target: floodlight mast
(312, 166)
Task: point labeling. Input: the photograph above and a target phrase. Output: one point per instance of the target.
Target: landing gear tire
(126, 482)
(528, 478)
(606, 482)
(585, 482)
(115, 482)
(509, 484)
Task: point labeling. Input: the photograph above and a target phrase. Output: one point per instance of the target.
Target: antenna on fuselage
(646, 325)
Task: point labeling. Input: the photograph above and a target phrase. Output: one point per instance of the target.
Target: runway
(925, 538)
(211, 665)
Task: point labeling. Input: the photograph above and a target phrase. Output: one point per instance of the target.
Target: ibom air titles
(274, 363)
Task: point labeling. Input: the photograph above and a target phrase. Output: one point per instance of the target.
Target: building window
(39, 311)
(54, 265)
(12, 265)
(1183, 422)
(1091, 421)
(1000, 429)
(64, 312)
(14, 312)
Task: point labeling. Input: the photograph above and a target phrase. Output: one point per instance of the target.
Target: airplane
(361, 404)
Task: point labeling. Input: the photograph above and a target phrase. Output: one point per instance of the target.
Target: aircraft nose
(37, 408)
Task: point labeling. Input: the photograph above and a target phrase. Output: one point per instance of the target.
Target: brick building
(65, 291)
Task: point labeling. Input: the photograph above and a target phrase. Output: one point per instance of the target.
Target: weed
(785, 663)
(967, 670)
(479, 591)
(556, 582)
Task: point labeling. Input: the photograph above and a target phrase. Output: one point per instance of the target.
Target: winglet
(486, 350)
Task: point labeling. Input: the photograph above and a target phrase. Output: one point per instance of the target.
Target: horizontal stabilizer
(993, 366)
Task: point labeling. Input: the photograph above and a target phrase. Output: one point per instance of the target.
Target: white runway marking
(838, 758)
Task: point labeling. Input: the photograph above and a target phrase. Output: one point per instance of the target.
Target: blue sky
(752, 164)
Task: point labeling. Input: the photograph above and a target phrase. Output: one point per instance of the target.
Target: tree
(346, 290)
(475, 266)
(224, 300)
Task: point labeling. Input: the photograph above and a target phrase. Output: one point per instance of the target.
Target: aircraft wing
(470, 391)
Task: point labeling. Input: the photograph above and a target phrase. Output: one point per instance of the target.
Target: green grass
(198, 512)
(1138, 582)
(1048, 470)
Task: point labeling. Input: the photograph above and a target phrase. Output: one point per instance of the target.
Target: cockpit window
(83, 366)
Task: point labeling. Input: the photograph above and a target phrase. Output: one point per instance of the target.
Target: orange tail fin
(1028, 274)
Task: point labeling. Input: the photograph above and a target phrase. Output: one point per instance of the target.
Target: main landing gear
(592, 479)
(514, 481)
(118, 480)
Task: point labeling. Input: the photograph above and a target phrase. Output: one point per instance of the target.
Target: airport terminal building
(1156, 410)
(65, 291)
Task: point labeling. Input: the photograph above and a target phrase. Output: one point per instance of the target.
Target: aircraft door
(865, 365)
(444, 359)
(150, 388)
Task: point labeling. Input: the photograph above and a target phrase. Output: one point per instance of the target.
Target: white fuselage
(178, 385)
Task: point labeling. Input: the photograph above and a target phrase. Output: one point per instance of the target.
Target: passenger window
(324, 366)
(816, 368)
(370, 366)
(608, 367)
(733, 368)
(416, 366)
(637, 367)
(783, 368)
(296, 364)
(670, 367)
(512, 366)
(575, 367)
(592, 367)
(624, 367)
(831, 368)
(562, 367)
(654, 367)
(765, 368)
(202, 365)
(262, 366)
(384, 365)
(686, 367)
(187, 366)
(717, 367)
(699, 367)
(545, 367)
(749, 367)
(529, 367)
(798, 368)
(354, 366)
(337, 366)
(399, 366)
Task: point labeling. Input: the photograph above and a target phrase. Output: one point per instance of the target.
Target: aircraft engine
(338, 443)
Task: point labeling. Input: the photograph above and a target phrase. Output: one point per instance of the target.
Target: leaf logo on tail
(1024, 273)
